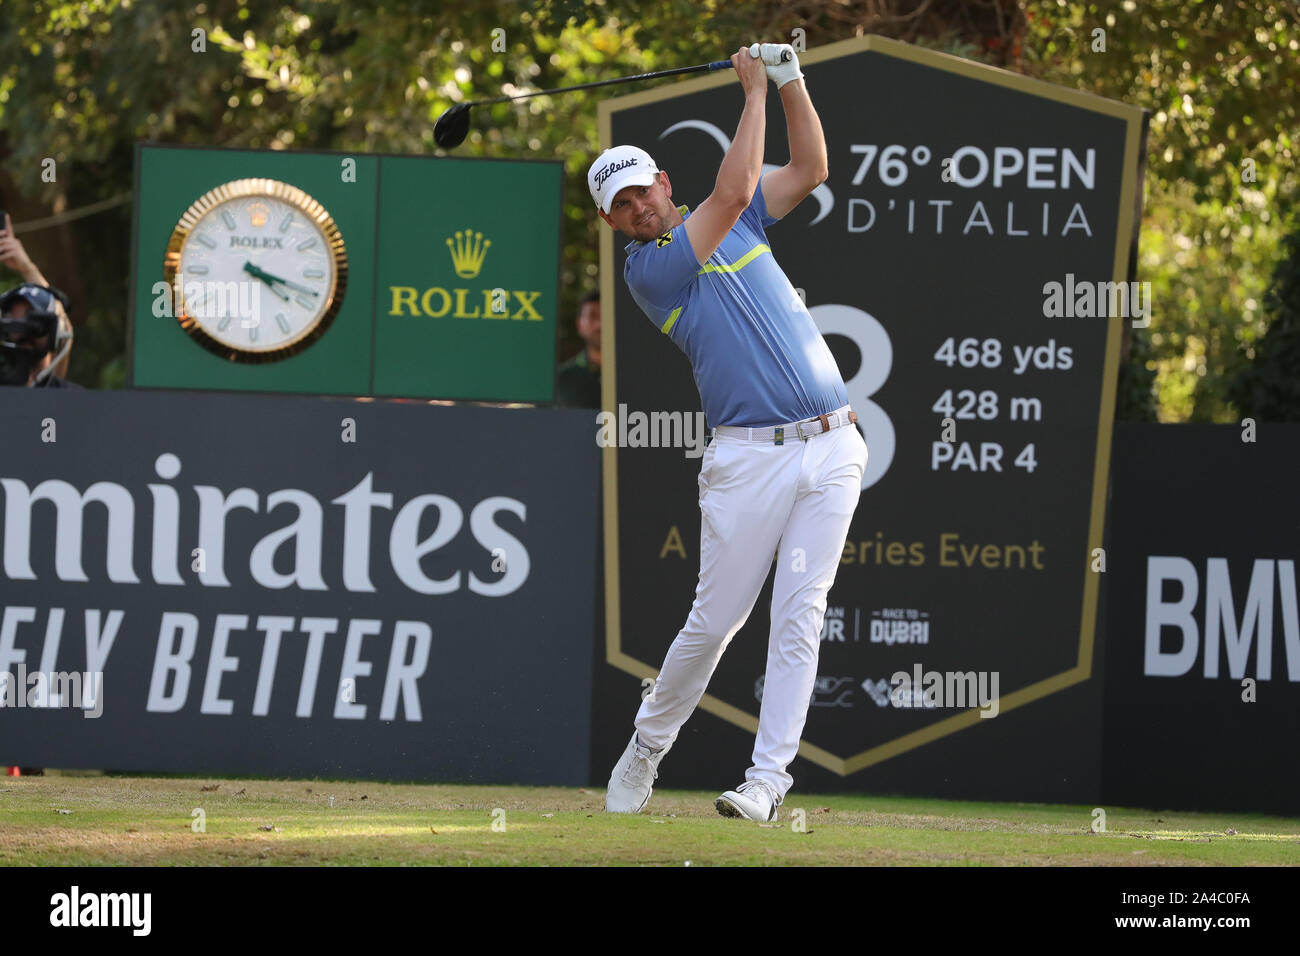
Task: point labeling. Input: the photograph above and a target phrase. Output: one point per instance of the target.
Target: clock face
(257, 268)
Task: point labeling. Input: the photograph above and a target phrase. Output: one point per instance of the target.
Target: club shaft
(701, 68)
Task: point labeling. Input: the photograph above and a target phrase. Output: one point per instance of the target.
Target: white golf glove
(778, 71)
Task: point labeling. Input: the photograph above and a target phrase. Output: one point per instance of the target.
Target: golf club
(453, 126)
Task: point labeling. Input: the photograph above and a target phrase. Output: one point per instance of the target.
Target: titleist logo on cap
(610, 169)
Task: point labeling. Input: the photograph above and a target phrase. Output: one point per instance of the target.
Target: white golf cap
(617, 167)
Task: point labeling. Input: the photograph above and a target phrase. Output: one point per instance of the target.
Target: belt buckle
(821, 420)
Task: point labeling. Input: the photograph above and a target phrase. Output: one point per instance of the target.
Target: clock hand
(299, 288)
(292, 285)
(257, 273)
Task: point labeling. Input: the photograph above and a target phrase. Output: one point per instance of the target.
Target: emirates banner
(966, 261)
(293, 586)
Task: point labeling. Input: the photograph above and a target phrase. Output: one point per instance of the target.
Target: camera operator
(35, 332)
(35, 337)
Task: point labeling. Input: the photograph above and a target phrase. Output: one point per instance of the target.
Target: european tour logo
(468, 250)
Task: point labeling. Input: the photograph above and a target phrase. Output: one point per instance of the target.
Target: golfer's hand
(780, 60)
(750, 71)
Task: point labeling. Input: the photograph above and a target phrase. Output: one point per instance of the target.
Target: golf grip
(726, 64)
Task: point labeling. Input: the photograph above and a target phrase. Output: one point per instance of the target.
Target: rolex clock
(257, 270)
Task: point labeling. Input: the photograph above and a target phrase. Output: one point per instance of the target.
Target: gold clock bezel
(312, 210)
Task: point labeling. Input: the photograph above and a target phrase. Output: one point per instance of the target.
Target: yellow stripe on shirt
(740, 263)
(671, 319)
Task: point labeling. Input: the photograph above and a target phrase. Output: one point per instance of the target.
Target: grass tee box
(111, 821)
(345, 274)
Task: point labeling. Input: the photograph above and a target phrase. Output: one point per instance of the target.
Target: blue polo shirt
(756, 353)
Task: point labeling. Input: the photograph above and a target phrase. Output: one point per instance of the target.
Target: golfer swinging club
(783, 471)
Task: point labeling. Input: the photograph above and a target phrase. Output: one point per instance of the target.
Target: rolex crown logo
(468, 250)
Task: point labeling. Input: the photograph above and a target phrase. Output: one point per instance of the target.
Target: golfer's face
(642, 212)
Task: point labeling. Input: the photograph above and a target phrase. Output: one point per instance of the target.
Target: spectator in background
(35, 337)
(577, 382)
(35, 332)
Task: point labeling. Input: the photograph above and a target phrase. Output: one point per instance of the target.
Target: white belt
(777, 434)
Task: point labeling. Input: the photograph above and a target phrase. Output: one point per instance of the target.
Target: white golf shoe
(632, 781)
(753, 800)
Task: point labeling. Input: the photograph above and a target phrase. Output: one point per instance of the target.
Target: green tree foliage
(1269, 388)
(83, 81)
(1221, 80)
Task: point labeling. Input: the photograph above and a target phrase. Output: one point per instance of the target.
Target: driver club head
(452, 127)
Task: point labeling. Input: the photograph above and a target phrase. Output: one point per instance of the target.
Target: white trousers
(757, 498)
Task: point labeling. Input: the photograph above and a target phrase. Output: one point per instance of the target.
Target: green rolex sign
(468, 294)
(332, 273)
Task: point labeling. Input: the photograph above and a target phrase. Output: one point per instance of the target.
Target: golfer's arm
(737, 179)
(784, 188)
